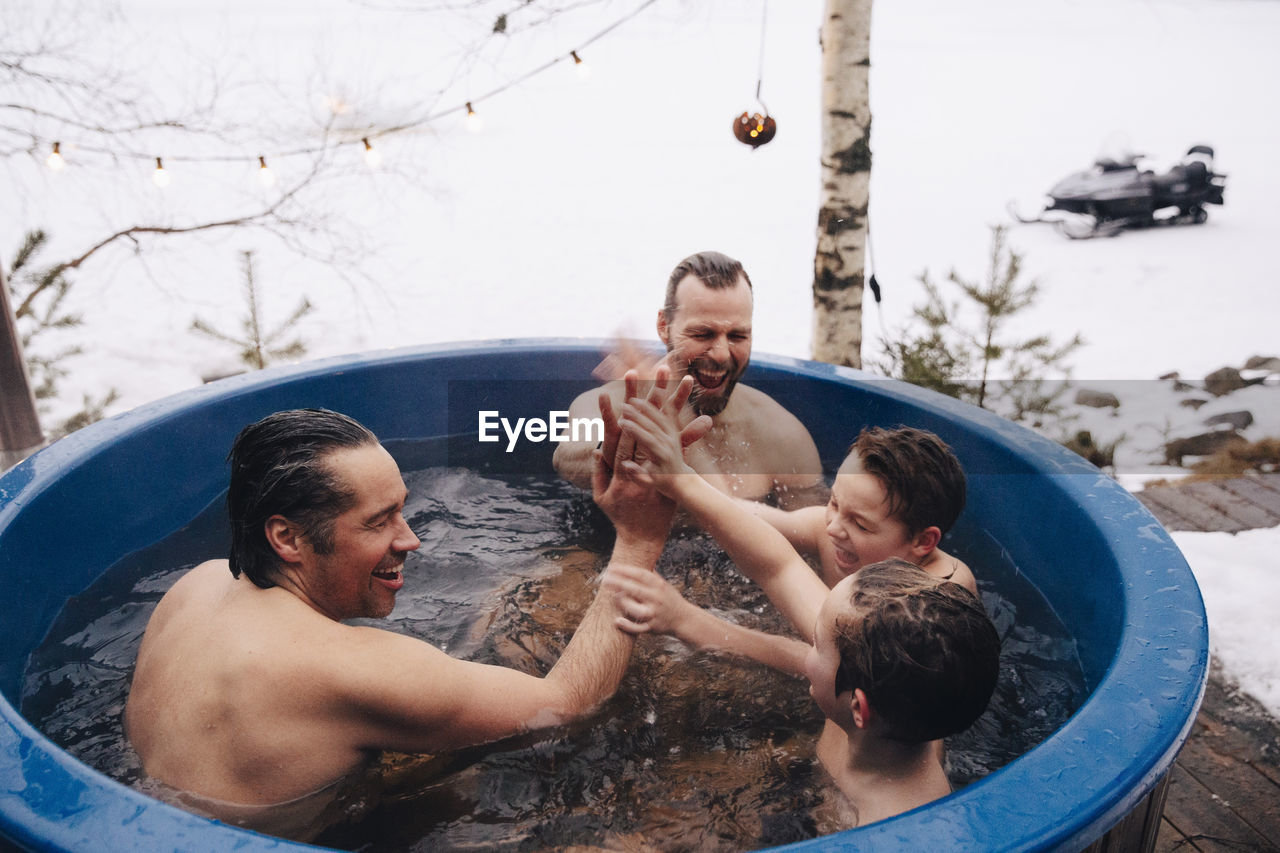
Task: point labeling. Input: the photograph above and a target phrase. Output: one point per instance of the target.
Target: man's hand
(619, 485)
(630, 355)
(612, 430)
(639, 513)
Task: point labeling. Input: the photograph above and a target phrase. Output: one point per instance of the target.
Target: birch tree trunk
(19, 429)
(846, 176)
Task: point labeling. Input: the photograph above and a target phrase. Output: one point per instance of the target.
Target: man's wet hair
(922, 478)
(714, 269)
(280, 466)
(922, 649)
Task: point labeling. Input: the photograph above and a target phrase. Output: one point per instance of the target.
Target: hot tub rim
(36, 474)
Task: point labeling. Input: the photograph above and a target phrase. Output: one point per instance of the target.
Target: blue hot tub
(1105, 566)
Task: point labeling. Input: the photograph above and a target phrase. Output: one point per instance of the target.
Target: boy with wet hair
(908, 639)
(897, 656)
(896, 494)
(900, 659)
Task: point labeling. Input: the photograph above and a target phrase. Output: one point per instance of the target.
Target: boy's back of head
(923, 650)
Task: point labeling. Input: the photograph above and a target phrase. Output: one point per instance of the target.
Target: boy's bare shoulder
(953, 569)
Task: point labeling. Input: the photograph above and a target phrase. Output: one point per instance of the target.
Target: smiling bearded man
(756, 449)
(250, 692)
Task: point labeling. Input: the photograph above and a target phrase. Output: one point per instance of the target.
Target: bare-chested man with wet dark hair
(251, 692)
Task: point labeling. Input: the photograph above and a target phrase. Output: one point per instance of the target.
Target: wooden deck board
(1230, 504)
(1236, 725)
(1198, 514)
(1169, 840)
(1261, 495)
(1202, 816)
(1166, 516)
(1224, 787)
(1251, 796)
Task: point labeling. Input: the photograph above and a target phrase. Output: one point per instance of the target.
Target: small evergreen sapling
(963, 348)
(39, 297)
(259, 348)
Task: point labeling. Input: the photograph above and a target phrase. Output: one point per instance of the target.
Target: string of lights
(474, 122)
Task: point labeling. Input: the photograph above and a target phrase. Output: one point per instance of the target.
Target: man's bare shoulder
(783, 442)
(206, 574)
(769, 417)
(199, 585)
(360, 657)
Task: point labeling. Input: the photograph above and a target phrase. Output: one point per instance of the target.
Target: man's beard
(713, 402)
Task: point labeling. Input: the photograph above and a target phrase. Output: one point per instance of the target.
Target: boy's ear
(861, 707)
(284, 538)
(924, 542)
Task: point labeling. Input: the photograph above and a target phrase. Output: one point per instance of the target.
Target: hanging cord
(764, 17)
(875, 285)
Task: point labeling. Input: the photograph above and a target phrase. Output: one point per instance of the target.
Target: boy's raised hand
(617, 446)
(653, 425)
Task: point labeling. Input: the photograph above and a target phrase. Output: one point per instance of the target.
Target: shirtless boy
(895, 495)
(755, 449)
(249, 688)
(896, 657)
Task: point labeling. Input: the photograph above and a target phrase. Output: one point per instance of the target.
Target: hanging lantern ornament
(754, 129)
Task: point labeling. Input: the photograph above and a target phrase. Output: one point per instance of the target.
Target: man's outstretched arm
(416, 698)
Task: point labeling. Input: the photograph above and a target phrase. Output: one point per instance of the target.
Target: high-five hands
(652, 429)
(625, 480)
(618, 445)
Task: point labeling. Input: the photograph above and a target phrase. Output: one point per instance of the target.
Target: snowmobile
(1116, 194)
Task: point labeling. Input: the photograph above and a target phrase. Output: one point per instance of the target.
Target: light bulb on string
(160, 177)
(54, 160)
(336, 105)
(265, 176)
(474, 122)
(583, 69)
(372, 157)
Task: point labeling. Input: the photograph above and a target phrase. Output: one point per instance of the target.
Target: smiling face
(860, 528)
(361, 573)
(709, 338)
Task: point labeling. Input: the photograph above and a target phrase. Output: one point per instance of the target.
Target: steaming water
(695, 752)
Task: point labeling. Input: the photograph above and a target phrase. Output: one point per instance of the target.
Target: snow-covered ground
(1238, 579)
(564, 216)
